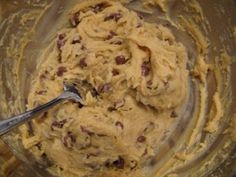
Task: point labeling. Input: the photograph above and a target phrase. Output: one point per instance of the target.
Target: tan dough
(139, 72)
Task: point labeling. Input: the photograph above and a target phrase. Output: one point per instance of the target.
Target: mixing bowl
(28, 26)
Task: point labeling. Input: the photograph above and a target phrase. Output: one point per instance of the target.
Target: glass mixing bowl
(27, 26)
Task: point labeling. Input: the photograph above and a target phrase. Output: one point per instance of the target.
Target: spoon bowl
(70, 93)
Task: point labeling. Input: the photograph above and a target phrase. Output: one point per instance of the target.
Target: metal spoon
(70, 93)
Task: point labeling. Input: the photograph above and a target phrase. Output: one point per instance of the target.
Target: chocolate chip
(86, 130)
(120, 59)
(145, 152)
(74, 20)
(111, 35)
(58, 124)
(145, 68)
(69, 140)
(110, 109)
(113, 16)
(65, 143)
(115, 72)
(61, 70)
(119, 163)
(61, 40)
(149, 82)
(82, 63)
(61, 36)
(76, 40)
(104, 88)
(82, 47)
(100, 7)
(139, 25)
(119, 124)
(72, 137)
(107, 163)
(173, 114)
(141, 139)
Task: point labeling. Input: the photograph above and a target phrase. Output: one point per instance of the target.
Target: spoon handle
(17, 120)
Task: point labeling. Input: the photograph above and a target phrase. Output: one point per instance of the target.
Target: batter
(138, 72)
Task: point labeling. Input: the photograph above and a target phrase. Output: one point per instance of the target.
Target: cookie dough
(138, 72)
